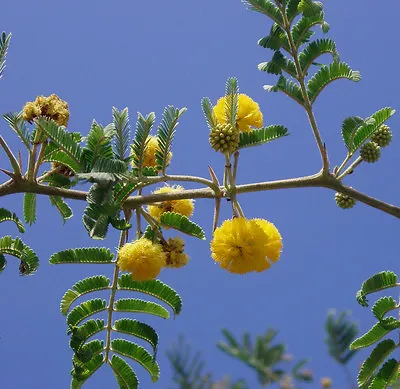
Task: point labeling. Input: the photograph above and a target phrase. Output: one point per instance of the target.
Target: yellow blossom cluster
(184, 207)
(52, 107)
(176, 256)
(241, 245)
(248, 114)
(150, 152)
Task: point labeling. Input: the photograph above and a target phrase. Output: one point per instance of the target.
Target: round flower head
(150, 152)
(176, 256)
(248, 115)
(184, 207)
(241, 245)
(143, 258)
(52, 107)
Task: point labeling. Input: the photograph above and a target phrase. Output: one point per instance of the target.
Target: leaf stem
(307, 103)
(351, 168)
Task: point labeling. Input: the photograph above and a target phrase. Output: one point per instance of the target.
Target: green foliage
(301, 31)
(165, 135)
(209, 113)
(140, 306)
(262, 135)
(340, 334)
(389, 371)
(288, 87)
(122, 133)
(124, 374)
(94, 255)
(62, 206)
(276, 39)
(143, 128)
(182, 223)
(326, 74)
(18, 125)
(6, 215)
(80, 334)
(278, 64)
(262, 356)
(314, 50)
(154, 288)
(231, 100)
(265, 7)
(16, 248)
(85, 310)
(30, 208)
(4, 44)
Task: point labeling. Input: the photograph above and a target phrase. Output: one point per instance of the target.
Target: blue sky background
(146, 55)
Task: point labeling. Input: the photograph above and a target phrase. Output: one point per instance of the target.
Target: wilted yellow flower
(248, 115)
(184, 207)
(326, 383)
(150, 152)
(52, 107)
(143, 258)
(176, 256)
(241, 245)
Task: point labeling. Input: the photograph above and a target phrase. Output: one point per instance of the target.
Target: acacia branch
(318, 180)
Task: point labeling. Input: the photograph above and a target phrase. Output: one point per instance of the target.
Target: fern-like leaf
(4, 44)
(87, 285)
(85, 310)
(6, 215)
(231, 100)
(209, 113)
(182, 223)
(262, 135)
(314, 50)
(65, 140)
(141, 306)
(349, 127)
(265, 7)
(310, 7)
(18, 125)
(292, 9)
(124, 374)
(288, 87)
(165, 135)
(372, 363)
(386, 375)
(383, 306)
(138, 354)
(62, 206)
(154, 288)
(276, 39)
(94, 255)
(372, 123)
(138, 329)
(143, 128)
(30, 208)
(83, 371)
(378, 282)
(122, 133)
(327, 74)
(302, 32)
(278, 64)
(80, 334)
(17, 248)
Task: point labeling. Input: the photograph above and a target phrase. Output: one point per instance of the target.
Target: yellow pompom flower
(143, 258)
(150, 152)
(52, 107)
(326, 383)
(248, 115)
(241, 245)
(176, 256)
(184, 207)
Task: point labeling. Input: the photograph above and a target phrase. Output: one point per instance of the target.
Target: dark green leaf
(63, 208)
(122, 133)
(84, 310)
(314, 50)
(18, 125)
(301, 31)
(124, 374)
(379, 281)
(4, 44)
(82, 333)
(141, 306)
(292, 9)
(6, 215)
(310, 8)
(182, 223)
(384, 305)
(385, 375)
(276, 39)
(141, 139)
(349, 127)
(99, 255)
(87, 285)
(138, 354)
(30, 208)
(262, 135)
(265, 7)
(82, 372)
(326, 74)
(278, 64)
(288, 87)
(377, 332)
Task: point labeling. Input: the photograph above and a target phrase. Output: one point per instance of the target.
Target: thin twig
(13, 160)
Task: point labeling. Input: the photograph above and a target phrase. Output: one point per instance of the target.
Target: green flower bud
(382, 136)
(370, 152)
(224, 137)
(344, 201)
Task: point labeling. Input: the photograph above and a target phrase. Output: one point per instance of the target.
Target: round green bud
(382, 136)
(370, 152)
(224, 137)
(344, 201)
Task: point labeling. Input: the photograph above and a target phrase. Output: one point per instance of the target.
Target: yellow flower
(248, 115)
(184, 207)
(52, 107)
(176, 256)
(150, 152)
(143, 258)
(241, 245)
(326, 382)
